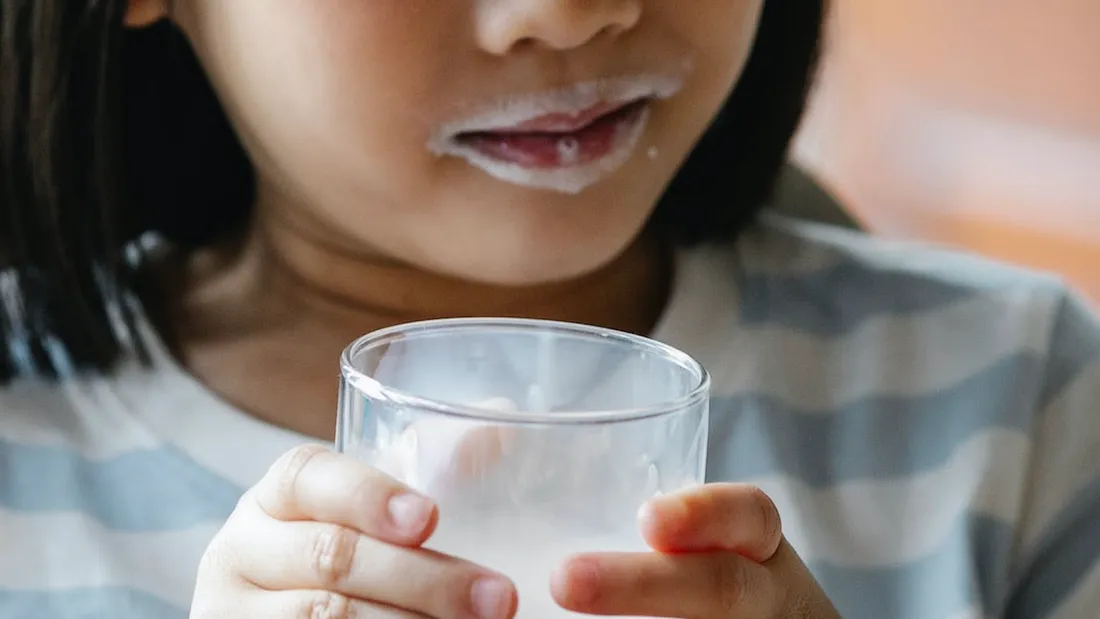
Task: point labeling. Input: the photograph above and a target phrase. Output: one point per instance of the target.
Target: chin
(536, 265)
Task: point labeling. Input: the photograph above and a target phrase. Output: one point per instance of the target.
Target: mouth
(565, 140)
(559, 140)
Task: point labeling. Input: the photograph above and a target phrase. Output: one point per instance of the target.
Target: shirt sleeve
(1057, 563)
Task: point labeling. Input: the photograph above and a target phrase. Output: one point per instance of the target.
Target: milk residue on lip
(568, 179)
(515, 110)
(518, 109)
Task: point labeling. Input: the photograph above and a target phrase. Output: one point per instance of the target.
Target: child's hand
(322, 535)
(721, 555)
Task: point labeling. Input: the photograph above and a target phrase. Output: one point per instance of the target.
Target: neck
(263, 324)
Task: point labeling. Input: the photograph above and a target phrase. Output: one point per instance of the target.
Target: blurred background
(974, 123)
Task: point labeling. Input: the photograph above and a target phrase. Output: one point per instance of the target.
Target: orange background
(969, 122)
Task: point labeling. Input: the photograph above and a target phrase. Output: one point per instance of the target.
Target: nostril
(609, 30)
(525, 43)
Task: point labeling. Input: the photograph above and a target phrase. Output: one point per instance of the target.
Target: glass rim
(353, 378)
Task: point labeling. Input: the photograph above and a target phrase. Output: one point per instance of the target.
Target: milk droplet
(652, 152)
(569, 150)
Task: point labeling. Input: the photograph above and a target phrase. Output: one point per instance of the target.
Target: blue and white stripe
(929, 424)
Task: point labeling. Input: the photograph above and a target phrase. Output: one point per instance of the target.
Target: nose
(506, 25)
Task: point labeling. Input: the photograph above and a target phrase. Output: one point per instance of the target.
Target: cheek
(718, 36)
(316, 86)
(720, 32)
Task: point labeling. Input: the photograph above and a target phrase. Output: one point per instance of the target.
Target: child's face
(385, 120)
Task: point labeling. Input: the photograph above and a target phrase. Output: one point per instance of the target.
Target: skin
(300, 545)
(359, 226)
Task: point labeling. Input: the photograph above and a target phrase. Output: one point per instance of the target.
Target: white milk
(494, 514)
(528, 553)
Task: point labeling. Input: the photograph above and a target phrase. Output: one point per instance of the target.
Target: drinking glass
(537, 439)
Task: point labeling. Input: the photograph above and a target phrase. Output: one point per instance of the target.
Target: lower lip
(547, 151)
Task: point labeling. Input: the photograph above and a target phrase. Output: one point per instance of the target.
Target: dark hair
(108, 133)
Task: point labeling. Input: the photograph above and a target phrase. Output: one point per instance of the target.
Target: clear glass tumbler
(537, 439)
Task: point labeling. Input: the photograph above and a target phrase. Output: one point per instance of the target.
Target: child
(179, 273)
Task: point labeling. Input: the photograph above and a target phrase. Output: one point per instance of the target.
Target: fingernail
(492, 598)
(661, 520)
(581, 582)
(410, 513)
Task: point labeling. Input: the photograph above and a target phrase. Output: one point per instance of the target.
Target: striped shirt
(928, 424)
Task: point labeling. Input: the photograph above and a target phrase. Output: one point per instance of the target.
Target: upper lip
(563, 110)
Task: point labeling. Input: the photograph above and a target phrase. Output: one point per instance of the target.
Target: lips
(566, 122)
(562, 140)
(559, 140)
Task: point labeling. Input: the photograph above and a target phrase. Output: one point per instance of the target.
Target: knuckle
(219, 556)
(327, 605)
(333, 554)
(731, 587)
(370, 490)
(295, 461)
(286, 471)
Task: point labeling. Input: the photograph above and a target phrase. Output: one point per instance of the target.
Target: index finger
(314, 483)
(714, 584)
